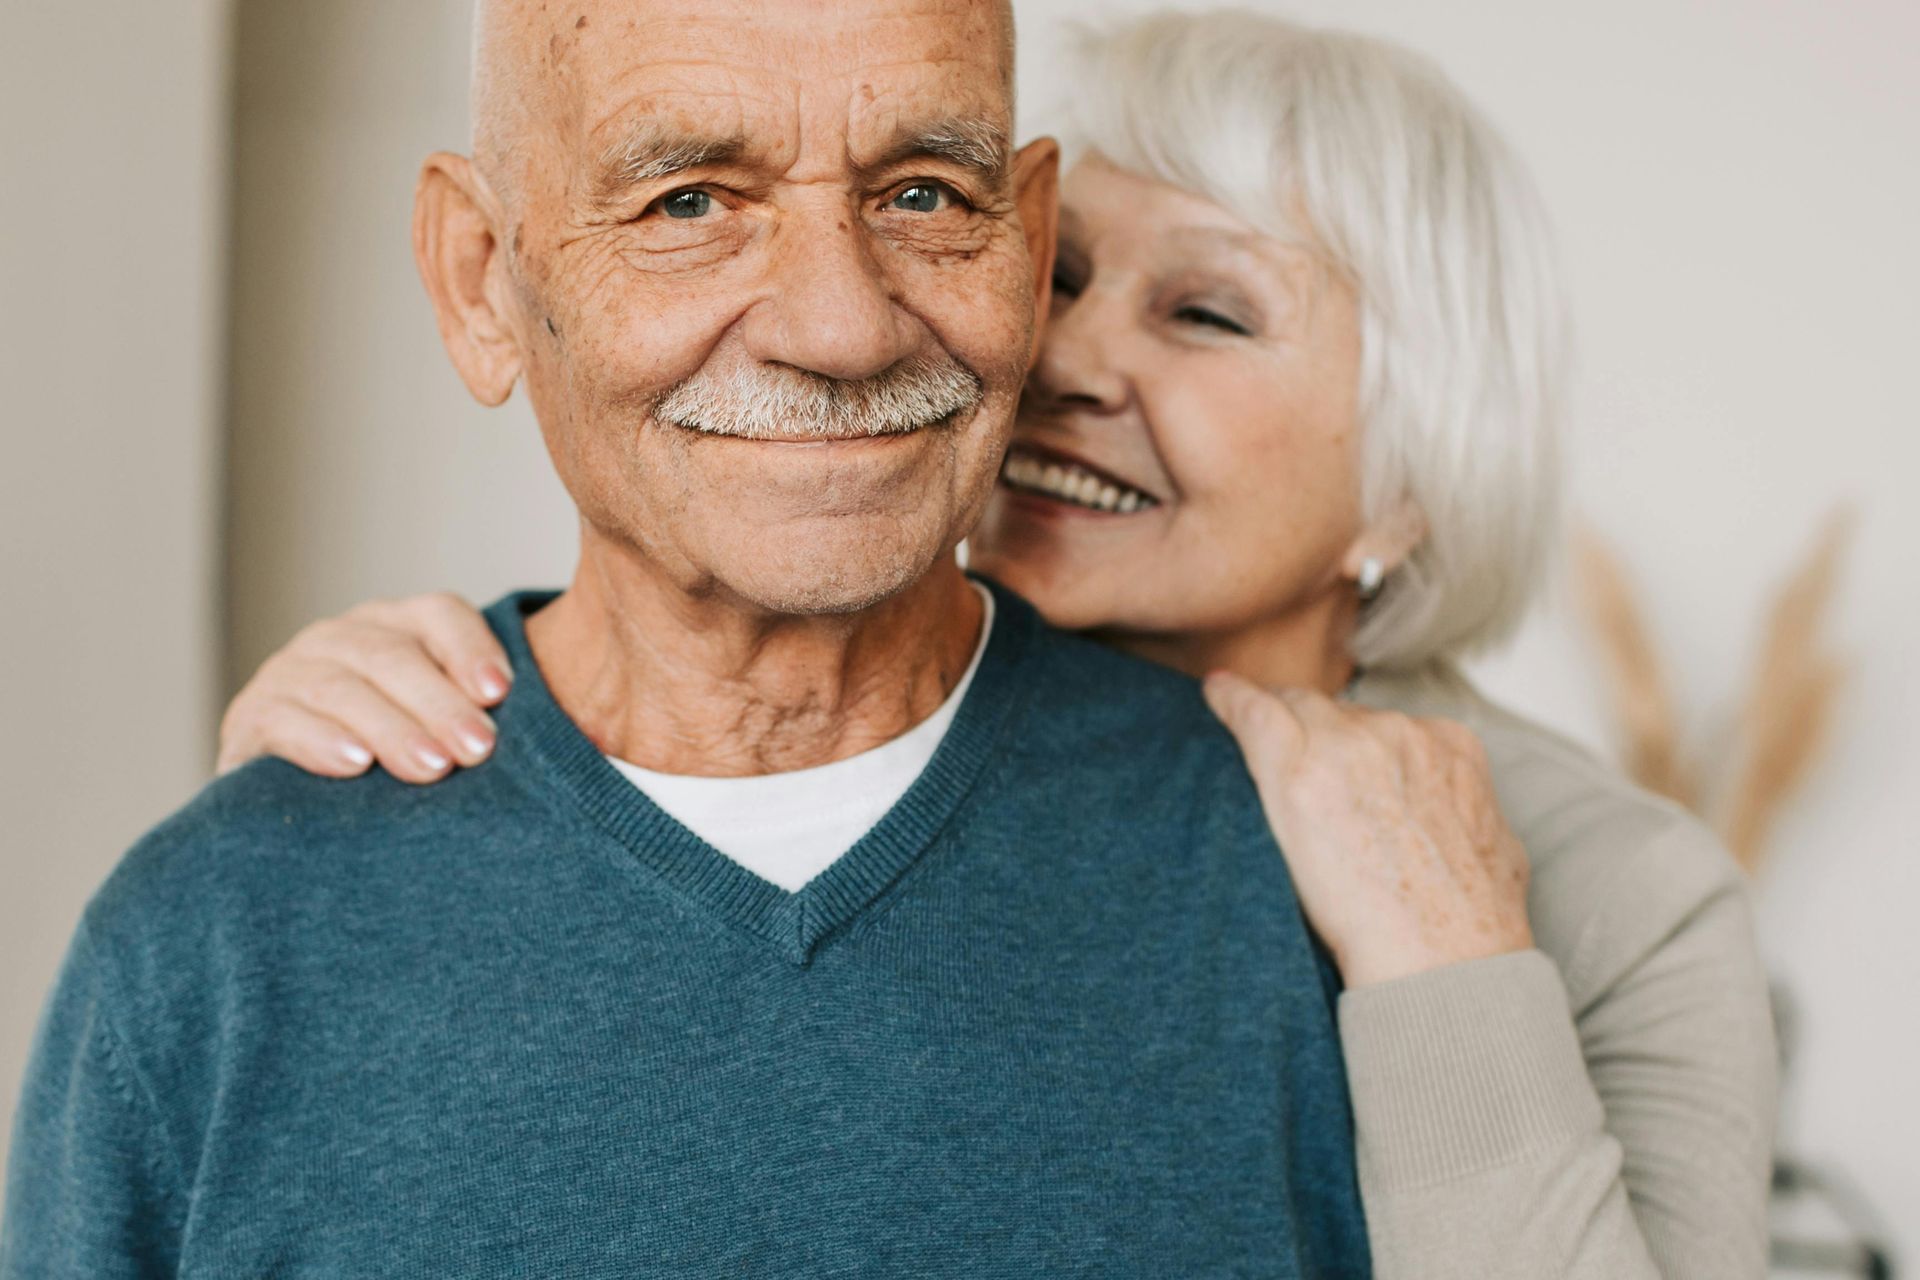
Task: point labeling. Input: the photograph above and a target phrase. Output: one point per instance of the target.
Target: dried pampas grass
(1785, 716)
(1642, 703)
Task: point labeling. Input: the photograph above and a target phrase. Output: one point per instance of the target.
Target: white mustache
(770, 402)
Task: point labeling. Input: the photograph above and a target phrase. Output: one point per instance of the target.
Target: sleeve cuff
(1464, 1068)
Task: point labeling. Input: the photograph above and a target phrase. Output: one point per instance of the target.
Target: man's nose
(830, 308)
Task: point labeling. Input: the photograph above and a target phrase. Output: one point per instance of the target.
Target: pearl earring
(1373, 576)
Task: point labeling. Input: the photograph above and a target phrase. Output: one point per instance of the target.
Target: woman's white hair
(1415, 199)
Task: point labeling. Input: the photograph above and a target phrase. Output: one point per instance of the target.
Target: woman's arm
(1501, 1131)
(398, 681)
(1505, 1133)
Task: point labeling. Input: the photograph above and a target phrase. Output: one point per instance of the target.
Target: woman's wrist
(1383, 957)
(1464, 1067)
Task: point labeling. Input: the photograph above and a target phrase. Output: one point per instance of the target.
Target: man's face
(744, 237)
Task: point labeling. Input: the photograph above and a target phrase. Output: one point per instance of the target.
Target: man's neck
(702, 685)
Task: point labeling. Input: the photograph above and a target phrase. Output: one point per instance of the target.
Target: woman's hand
(1398, 850)
(398, 681)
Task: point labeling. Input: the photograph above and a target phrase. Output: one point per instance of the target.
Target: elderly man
(1038, 999)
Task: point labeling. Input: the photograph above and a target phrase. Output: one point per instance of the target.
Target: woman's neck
(1304, 648)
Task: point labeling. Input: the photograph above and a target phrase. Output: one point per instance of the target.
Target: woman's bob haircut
(1366, 155)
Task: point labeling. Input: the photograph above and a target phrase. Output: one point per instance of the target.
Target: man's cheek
(985, 318)
(1007, 296)
(624, 349)
(609, 295)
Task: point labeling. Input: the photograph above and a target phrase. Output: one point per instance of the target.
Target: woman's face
(1185, 456)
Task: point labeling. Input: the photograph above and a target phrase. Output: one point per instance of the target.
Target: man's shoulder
(1092, 677)
(268, 838)
(262, 812)
(1133, 716)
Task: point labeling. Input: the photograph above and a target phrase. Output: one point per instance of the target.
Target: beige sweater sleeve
(1605, 1111)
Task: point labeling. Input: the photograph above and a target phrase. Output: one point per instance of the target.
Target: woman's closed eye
(1193, 313)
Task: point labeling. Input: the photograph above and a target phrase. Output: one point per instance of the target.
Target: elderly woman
(1294, 420)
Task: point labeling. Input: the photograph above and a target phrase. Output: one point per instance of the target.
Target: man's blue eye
(687, 204)
(920, 198)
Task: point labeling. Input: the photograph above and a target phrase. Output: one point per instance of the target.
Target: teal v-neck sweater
(1058, 1014)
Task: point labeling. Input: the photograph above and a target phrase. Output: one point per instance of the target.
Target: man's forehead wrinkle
(648, 87)
(945, 112)
(650, 131)
(986, 33)
(697, 96)
(896, 93)
(786, 39)
(526, 90)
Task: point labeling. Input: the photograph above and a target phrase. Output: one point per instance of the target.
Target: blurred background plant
(1739, 773)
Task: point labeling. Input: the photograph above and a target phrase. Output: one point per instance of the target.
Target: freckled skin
(799, 259)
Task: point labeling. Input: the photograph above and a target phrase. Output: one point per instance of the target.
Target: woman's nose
(1077, 366)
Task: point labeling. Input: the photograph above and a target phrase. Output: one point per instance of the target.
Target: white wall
(112, 184)
(359, 466)
(1737, 192)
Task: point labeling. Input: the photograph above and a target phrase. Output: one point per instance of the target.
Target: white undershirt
(789, 827)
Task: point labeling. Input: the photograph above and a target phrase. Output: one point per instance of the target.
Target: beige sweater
(1602, 1106)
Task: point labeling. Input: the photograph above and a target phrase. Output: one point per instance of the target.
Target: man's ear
(1036, 193)
(1389, 539)
(457, 248)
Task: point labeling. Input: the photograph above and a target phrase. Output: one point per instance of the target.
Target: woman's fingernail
(477, 739)
(493, 681)
(356, 755)
(431, 758)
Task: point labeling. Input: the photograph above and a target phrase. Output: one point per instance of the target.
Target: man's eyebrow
(972, 143)
(650, 151)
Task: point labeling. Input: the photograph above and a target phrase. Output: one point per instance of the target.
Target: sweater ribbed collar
(536, 733)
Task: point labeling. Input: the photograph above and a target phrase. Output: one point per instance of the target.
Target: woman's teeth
(1065, 482)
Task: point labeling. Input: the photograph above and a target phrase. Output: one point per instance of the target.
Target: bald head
(523, 87)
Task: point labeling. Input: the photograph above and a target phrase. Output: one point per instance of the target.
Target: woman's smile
(1052, 482)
